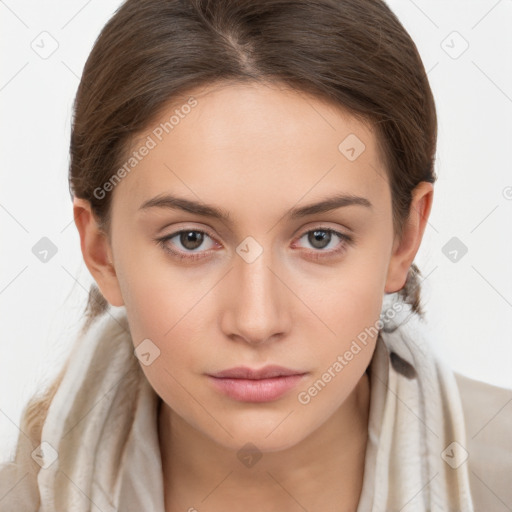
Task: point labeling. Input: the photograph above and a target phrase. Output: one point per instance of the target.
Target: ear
(97, 252)
(405, 249)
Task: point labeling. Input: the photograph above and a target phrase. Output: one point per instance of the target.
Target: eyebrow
(173, 202)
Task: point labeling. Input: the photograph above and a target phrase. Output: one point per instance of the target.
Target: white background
(468, 302)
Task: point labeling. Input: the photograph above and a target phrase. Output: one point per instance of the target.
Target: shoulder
(488, 416)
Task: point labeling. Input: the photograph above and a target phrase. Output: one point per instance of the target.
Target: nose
(254, 309)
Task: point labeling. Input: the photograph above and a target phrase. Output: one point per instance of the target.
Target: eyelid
(344, 241)
(191, 255)
(185, 230)
(187, 257)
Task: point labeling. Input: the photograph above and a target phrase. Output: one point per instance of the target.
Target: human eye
(188, 243)
(322, 238)
(189, 239)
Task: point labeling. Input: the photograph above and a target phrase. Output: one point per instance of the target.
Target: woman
(251, 182)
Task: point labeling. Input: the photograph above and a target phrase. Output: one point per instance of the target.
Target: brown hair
(353, 53)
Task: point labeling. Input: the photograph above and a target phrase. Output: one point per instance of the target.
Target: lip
(267, 372)
(256, 385)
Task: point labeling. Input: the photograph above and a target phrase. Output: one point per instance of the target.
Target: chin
(262, 437)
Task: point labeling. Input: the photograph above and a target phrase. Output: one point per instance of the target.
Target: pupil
(191, 239)
(318, 239)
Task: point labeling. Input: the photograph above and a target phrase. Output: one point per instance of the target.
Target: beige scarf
(100, 449)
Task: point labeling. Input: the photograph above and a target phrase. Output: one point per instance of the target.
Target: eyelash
(314, 254)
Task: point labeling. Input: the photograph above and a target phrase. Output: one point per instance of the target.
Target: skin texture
(256, 151)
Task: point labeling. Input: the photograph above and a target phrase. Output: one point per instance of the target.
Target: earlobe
(405, 249)
(97, 252)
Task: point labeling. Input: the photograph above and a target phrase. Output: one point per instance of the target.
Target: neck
(322, 472)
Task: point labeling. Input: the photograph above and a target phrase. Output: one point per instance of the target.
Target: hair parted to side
(353, 53)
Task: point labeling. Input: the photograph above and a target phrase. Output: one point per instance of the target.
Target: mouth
(256, 385)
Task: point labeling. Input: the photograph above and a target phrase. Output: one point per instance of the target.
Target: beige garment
(103, 424)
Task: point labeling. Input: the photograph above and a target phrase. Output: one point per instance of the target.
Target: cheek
(349, 299)
(349, 306)
(170, 316)
(169, 308)
(354, 319)
(155, 292)
(361, 291)
(351, 309)
(173, 341)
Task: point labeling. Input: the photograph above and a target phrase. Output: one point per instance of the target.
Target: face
(239, 268)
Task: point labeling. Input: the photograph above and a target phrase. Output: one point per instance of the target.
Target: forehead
(261, 142)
